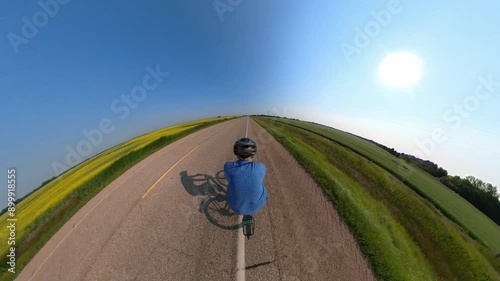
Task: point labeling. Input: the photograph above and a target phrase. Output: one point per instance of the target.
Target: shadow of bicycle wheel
(215, 205)
(219, 214)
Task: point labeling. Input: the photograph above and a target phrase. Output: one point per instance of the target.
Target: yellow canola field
(39, 202)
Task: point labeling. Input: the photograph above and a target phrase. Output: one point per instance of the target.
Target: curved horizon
(71, 68)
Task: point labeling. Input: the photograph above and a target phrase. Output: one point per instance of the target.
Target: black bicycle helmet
(245, 148)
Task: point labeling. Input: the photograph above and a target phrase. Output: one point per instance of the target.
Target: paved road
(161, 221)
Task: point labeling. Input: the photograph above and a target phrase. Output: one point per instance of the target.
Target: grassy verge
(42, 228)
(383, 240)
(456, 208)
(403, 236)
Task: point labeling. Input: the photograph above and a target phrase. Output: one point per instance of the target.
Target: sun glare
(400, 70)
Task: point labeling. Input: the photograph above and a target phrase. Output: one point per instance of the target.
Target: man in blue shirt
(246, 193)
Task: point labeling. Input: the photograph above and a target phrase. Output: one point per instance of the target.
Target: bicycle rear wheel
(248, 224)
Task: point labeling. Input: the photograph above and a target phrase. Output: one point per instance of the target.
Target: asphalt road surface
(164, 219)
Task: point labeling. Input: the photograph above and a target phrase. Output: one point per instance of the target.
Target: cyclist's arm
(262, 169)
(225, 173)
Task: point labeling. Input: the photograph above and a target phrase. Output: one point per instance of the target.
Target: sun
(400, 70)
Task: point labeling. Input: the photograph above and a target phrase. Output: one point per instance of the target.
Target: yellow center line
(171, 168)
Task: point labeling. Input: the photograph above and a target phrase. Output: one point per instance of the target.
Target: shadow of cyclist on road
(200, 184)
(214, 204)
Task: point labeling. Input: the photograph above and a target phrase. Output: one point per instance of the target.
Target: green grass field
(455, 207)
(44, 211)
(403, 236)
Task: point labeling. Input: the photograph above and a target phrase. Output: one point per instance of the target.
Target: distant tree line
(425, 165)
(275, 116)
(480, 194)
(484, 196)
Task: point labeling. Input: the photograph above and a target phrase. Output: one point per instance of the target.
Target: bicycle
(217, 209)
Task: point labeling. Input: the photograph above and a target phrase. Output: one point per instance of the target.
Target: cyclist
(246, 193)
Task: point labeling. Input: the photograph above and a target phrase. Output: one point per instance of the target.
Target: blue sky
(256, 56)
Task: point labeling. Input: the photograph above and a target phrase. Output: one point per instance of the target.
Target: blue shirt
(246, 193)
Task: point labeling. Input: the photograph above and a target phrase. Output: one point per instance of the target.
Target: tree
(483, 196)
